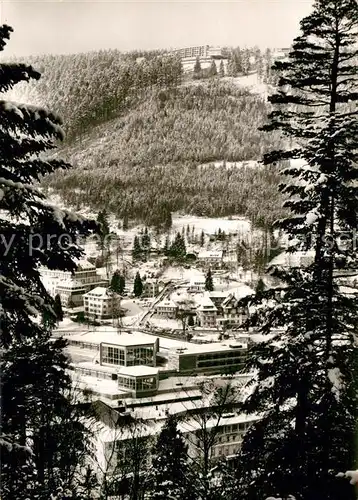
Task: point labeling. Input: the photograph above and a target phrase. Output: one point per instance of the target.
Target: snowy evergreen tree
(115, 285)
(40, 449)
(221, 69)
(170, 468)
(202, 238)
(122, 284)
(137, 250)
(305, 385)
(209, 286)
(103, 232)
(213, 71)
(138, 285)
(177, 248)
(197, 69)
(57, 307)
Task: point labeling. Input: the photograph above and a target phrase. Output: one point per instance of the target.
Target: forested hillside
(137, 132)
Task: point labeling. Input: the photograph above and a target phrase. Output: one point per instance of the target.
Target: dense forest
(138, 131)
(148, 160)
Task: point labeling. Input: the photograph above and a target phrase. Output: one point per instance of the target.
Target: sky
(72, 26)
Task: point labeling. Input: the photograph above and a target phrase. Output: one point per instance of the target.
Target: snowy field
(210, 225)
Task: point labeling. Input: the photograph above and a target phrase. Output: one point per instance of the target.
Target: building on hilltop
(205, 53)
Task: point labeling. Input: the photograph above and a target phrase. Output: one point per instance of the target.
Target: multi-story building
(72, 287)
(166, 308)
(101, 303)
(207, 313)
(232, 313)
(201, 51)
(151, 288)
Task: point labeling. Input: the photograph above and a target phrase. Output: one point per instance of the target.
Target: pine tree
(115, 285)
(122, 284)
(197, 69)
(260, 286)
(137, 251)
(221, 69)
(58, 308)
(138, 285)
(103, 232)
(168, 221)
(170, 467)
(36, 439)
(213, 71)
(125, 222)
(178, 248)
(209, 286)
(305, 375)
(145, 239)
(202, 238)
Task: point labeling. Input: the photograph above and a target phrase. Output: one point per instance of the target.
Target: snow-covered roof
(166, 303)
(241, 291)
(70, 283)
(228, 300)
(84, 265)
(137, 371)
(206, 304)
(218, 294)
(99, 291)
(113, 337)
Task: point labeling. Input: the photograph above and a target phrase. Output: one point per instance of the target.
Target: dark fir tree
(213, 71)
(178, 248)
(197, 69)
(138, 285)
(137, 251)
(42, 442)
(170, 468)
(209, 286)
(125, 224)
(260, 286)
(57, 307)
(115, 285)
(121, 284)
(221, 69)
(305, 384)
(103, 232)
(202, 238)
(145, 243)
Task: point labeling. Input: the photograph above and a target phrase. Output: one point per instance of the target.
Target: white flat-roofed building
(70, 291)
(101, 303)
(140, 380)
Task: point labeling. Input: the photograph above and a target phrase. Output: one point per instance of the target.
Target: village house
(207, 313)
(211, 258)
(101, 303)
(151, 288)
(166, 308)
(232, 313)
(218, 298)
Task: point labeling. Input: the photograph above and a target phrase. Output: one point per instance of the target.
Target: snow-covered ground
(210, 225)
